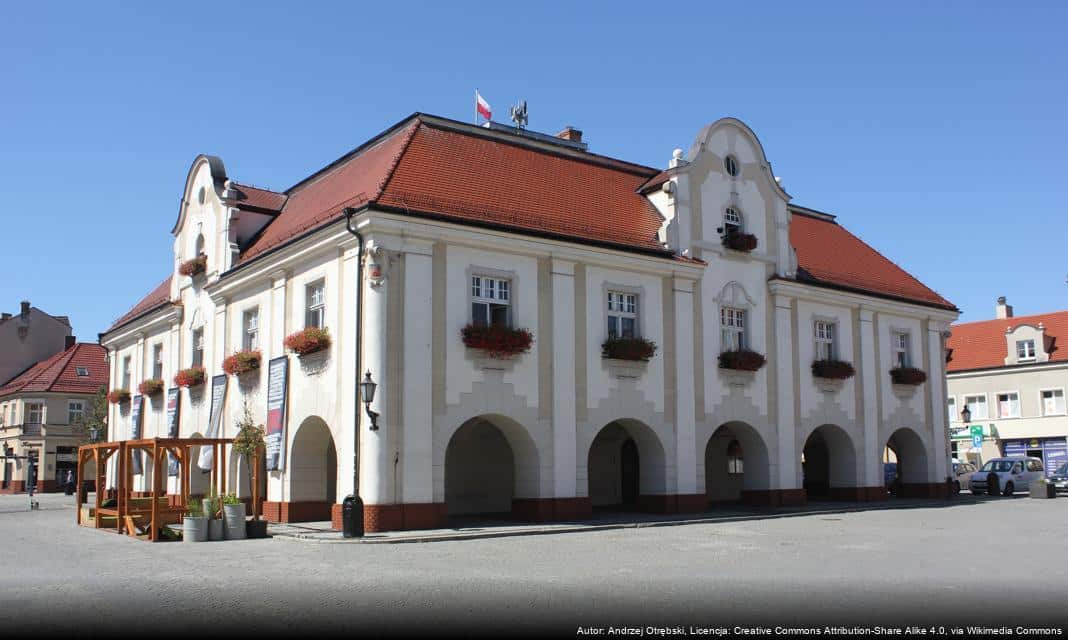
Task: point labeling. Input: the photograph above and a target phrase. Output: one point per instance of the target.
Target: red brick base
(924, 490)
(775, 497)
(857, 494)
(673, 503)
(400, 517)
(551, 509)
(305, 511)
(15, 486)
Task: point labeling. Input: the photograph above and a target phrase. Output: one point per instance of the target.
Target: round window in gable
(731, 165)
(202, 195)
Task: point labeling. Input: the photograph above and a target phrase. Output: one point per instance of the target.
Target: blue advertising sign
(135, 432)
(172, 427)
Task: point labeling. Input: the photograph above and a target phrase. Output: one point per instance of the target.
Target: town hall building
(550, 332)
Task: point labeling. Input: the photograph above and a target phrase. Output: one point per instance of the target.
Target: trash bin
(352, 517)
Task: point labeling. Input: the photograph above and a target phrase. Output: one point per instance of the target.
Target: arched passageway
(736, 460)
(625, 462)
(828, 462)
(490, 462)
(312, 472)
(904, 461)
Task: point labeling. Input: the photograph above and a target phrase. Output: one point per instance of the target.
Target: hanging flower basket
(741, 360)
(908, 375)
(833, 369)
(151, 387)
(190, 377)
(307, 341)
(628, 349)
(118, 396)
(740, 241)
(496, 341)
(194, 266)
(242, 362)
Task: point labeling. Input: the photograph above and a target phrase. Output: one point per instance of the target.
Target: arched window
(734, 458)
(732, 221)
(198, 249)
(731, 166)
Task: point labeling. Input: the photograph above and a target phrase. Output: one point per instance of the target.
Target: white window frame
(1026, 358)
(196, 343)
(26, 405)
(491, 291)
(315, 307)
(997, 403)
(71, 410)
(897, 348)
(732, 217)
(985, 403)
(1042, 401)
(952, 413)
(126, 371)
(622, 305)
(733, 334)
(250, 329)
(157, 361)
(825, 335)
(78, 371)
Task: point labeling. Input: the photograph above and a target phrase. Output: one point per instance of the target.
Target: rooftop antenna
(519, 115)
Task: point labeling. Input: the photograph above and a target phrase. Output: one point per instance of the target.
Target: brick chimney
(5, 316)
(69, 342)
(25, 308)
(1002, 310)
(570, 133)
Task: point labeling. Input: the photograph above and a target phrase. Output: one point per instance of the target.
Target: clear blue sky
(937, 134)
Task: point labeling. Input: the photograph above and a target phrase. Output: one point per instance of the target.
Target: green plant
(248, 442)
(193, 508)
(167, 533)
(309, 340)
(231, 498)
(242, 362)
(214, 503)
(94, 420)
(109, 503)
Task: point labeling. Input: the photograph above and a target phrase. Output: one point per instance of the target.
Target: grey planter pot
(216, 530)
(1042, 490)
(234, 517)
(195, 529)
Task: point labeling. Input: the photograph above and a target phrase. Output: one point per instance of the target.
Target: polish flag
(482, 106)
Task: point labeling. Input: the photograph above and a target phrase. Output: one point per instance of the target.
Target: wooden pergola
(132, 514)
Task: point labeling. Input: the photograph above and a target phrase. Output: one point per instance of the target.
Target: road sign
(977, 435)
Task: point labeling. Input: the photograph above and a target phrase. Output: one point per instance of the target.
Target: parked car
(962, 471)
(1059, 478)
(1006, 475)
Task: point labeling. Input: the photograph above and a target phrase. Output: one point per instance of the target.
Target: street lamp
(966, 414)
(367, 394)
(94, 434)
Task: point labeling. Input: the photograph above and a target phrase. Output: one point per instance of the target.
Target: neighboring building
(471, 225)
(30, 336)
(38, 408)
(1012, 374)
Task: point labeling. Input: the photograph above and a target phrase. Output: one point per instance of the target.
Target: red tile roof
(59, 374)
(156, 298)
(829, 255)
(249, 197)
(982, 344)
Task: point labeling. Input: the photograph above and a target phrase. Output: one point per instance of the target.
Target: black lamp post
(367, 394)
(966, 414)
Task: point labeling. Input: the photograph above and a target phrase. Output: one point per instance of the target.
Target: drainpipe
(352, 509)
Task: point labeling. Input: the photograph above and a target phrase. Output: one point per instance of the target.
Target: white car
(1006, 475)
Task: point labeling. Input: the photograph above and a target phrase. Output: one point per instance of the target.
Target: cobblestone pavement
(997, 561)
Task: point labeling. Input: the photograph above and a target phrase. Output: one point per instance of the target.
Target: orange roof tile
(155, 299)
(60, 373)
(982, 344)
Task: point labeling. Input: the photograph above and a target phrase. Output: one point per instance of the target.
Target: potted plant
(741, 360)
(194, 522)
(242, 362)
(118, 396)
(497, 341)
(740, 241)
(908, 375)
(194, 266)
(190, 377)
(832, 369)
(307, 341)
(151, 387)
(212, 510)
(233, 517)
(628, 349)
(248, 443)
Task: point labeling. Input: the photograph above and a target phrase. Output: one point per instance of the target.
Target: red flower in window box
(190, 377)
(908, 375)
(740, 241)
(628, 349)
(497, 341)
(833, 369)
(151, 387)
(741, 360)
(194, 266)
(242, 362)
(308, 341)
(118, 396)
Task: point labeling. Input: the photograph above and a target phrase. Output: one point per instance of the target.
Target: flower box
(118, 396)
(190, 377)
(307, 341)
(908, 375)
(833, 369)
(741, 360)
(496, 341)
(739, 241)
(242, 362)
(151, 387)
(628, 349)
(194, 266)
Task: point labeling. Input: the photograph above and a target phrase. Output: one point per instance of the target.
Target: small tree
(95, 417)
(248, 441)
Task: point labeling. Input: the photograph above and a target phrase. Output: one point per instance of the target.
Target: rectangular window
(75, 410)
(157, 361)
(34, 412)
(732, 329)
(490, 301)
(198, 347)
(825, 346)
(315, 306)
(250, 337)
(899, 342)
(126, 372)
(1025, 349)
(951, 409)
(977, 406)
(1053, 402)
(83, 372)
(1009, 405)
(622, 315)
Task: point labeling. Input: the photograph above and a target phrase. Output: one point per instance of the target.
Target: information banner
(172, 427)
(135, 432)
(277, 386)
(218, 395)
